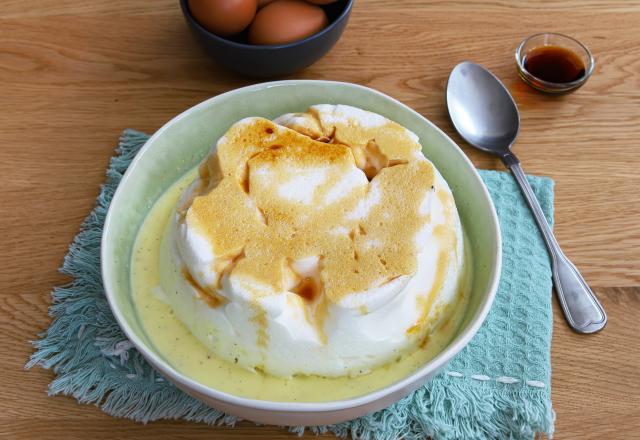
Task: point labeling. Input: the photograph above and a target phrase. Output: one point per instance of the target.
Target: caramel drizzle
(310, 289)
(260, 320)
(447, 237)
(209, 295)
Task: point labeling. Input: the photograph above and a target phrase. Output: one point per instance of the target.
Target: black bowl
(268, 61)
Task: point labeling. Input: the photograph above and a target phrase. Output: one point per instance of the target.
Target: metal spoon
(486, 116)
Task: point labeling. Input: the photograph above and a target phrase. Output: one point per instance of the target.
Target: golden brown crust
(244, 213)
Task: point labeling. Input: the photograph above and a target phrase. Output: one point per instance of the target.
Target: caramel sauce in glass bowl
(554, 63)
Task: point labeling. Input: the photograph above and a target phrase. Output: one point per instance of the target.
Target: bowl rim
(454, 347)
(548, 84)
(187, 12)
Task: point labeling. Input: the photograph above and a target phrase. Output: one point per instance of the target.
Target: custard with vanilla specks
(322, 246)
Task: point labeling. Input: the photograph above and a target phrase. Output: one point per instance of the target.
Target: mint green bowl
(182, 143)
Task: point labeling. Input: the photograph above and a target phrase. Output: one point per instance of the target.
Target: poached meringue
(323, 243)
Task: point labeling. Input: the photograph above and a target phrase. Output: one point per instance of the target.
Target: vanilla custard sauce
(173, 341)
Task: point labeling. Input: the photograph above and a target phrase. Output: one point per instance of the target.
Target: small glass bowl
(552, 39)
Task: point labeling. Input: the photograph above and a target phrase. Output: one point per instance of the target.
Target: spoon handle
(581, 309)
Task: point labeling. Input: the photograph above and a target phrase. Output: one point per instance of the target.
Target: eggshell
(284, 21)
(224, 17)
(262, 3)
(321, 2)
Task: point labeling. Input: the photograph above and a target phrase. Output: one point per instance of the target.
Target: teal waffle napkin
(498, 387)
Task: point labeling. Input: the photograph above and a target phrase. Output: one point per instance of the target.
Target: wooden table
(73, 73)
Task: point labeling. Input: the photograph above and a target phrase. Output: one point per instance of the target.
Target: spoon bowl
(482, 109)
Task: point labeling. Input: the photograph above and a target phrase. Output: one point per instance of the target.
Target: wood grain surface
(74, 73)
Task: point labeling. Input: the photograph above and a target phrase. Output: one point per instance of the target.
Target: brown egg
(284, 21)
(223, 17)
(321, 2)
(262, 3)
